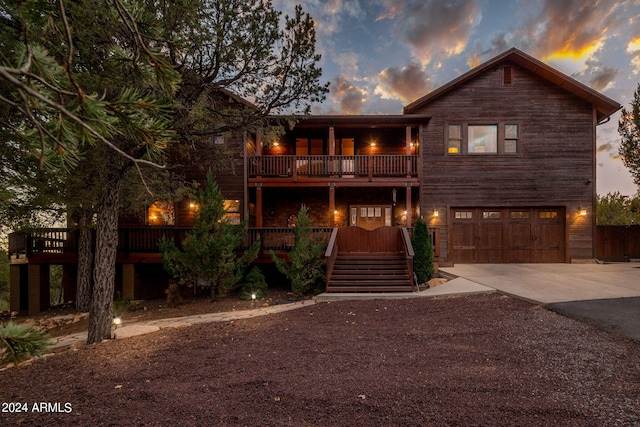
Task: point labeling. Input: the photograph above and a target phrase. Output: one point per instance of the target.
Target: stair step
(347, 288)
(370, 272)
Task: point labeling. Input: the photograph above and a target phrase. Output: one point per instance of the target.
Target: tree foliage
(617, 209)
(245, 47)
(305, 265)
(629, 129)
(19, 342)
(208, 254)
(423, 249)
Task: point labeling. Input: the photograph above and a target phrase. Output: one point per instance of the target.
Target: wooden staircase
(370, 272)
(360, 260)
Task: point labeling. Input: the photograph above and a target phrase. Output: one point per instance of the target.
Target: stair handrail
(331, 253)
(409, 253)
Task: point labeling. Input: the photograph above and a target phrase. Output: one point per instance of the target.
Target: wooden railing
(140, 239)
(406, 247)
(331, 253)
(292, 167)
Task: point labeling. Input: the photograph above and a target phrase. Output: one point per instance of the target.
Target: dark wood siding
(554, 165)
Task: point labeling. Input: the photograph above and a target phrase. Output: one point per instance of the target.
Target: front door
(370, 217)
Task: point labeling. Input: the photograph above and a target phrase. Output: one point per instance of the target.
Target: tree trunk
(85, 264)
(101, 314)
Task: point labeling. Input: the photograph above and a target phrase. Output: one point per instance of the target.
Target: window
(510, 138)
(491, 215)
(161, 214)
(483, 139)
(232, 211)
(492, 139)
(519, 214)
(507, 77)
(464, 215)
(454, 144)
(548, 214)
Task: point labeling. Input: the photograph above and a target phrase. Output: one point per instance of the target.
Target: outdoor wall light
(582, 212)
(436, 214)
(335, 212)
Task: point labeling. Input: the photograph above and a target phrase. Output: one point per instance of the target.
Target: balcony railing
(139, 239)
(293, 167)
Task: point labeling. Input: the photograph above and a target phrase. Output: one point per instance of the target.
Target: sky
(380, 55)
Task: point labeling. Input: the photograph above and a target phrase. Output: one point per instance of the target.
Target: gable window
(507, 77)
(498, 138)
(483, 139)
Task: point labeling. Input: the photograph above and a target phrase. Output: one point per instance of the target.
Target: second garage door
(507, 235)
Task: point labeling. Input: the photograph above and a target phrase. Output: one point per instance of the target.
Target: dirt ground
(469, 360)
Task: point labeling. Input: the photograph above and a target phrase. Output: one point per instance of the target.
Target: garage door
(507, 235)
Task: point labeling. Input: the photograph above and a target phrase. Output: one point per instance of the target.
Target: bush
(254, 283)
(19, 342)
(305, 268)
(423, 258)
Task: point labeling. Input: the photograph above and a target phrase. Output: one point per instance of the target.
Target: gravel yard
(467, 360)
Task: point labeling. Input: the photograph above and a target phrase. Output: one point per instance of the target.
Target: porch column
(128, 281)
(408, 149)
(16, 273)
(332, 204)
(408, 205)
(259, 205)
(38, 287)
(332, 141)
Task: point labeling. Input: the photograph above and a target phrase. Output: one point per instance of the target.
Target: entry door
(370, 217)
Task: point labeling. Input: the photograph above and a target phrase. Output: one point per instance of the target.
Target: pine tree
(19, 342)
(305, 268)
(423, 258)
(208, 256)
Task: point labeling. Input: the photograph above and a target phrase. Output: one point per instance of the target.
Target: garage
(507, 235)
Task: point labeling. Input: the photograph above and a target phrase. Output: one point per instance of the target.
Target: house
(500, 163)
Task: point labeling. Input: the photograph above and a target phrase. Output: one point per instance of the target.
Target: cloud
(434, 28)
(603, 78)
(350, 97)
(406, 83)
(569, 30)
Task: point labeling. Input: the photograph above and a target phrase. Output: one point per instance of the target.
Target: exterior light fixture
(335, 212)
(582, 211)
(436, 214)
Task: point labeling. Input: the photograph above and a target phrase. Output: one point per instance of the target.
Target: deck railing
(139, 239)
(292, 167)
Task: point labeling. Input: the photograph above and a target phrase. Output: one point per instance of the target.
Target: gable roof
(604, 105)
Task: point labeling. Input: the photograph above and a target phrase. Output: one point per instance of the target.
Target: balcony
(291, 168)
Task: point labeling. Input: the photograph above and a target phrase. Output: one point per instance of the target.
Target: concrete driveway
(607, 295)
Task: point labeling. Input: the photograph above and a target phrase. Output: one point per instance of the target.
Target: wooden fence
(618, 243)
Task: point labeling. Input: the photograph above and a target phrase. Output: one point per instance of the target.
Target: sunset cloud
(435, 28)
(406, 83)
(350, 97)
(569, 30)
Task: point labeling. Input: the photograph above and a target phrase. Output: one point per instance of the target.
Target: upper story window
(454, 140)
(483, 139)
